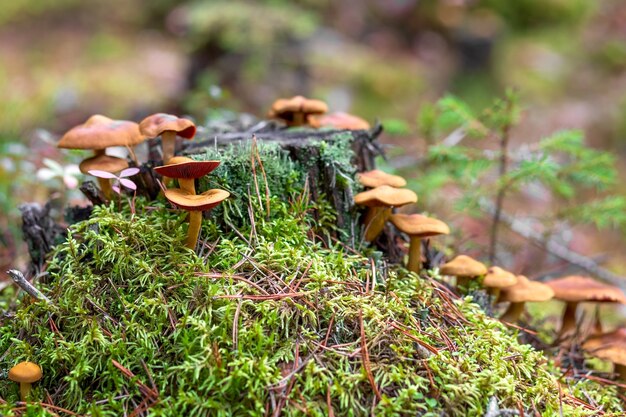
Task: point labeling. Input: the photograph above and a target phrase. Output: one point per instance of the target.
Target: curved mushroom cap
(463, 266)
(526, 290)
(608, 346)
(154, 125)
(339, 120)
(286, 107)
(183, 167)
(100, 132)
(196, 202)
(376, 178)
(106, 163)
(499, 278)
(385, 196)
(576, 288)
(419, 225)
(25, 372)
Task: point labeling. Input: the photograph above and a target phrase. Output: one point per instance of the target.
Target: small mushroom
(376, 178)
(520, 293)
(295, 111)
(167, 126)
(186, 170)
(576, 289)
(379, 202)
(339, 120)
(25, 373)
(496, 279)
(105, 163)
(463, 268)
(418, 227)
(610, 347)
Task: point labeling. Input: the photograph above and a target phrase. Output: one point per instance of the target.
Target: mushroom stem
(105, 186)
(568, 324)
(415, 255)
(375, 220)
(195, 221)
(513, 313)
(187, 184)
(298, 119)
(462, 281)
(168, 144)
(620, 370)
(24, 390)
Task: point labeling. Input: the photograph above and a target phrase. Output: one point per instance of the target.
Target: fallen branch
(23, 283)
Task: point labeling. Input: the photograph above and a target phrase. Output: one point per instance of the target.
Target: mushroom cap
(608, 346)
(419, 225)
(463, 266)
(183, 167)
(526, 290)
(575, 288)
(286, 107)
(100, 132)
(196, 202)
(385, 196)
(497, 277)
(154, 125)
(376, 178)
(339, 120)
(25, 372)
(106, 163)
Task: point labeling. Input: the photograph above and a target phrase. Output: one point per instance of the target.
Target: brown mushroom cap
(577, 288)
(183, 167)
(419, 225)
(154, 125)
(385, 196)
(106, 163)
(376, 178)
(339, 120)
(286, 107)
(28, 372)
(608, 346)
(497, 277)
(463, 266)
(526, 290)
(100, 132)
(196, 202)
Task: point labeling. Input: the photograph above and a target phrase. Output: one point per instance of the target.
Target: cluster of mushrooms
(384, 192)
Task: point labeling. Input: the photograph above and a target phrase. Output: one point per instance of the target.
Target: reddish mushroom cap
(419, 225)
(196, 202)
(187, 168)
(154, 125)
(385, 196)
(497, 277)
(339, 120)
(608, 346)
(576, 288)
(100, 132)
(106, 163)
(526, 290)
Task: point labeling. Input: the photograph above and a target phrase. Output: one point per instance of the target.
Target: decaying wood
(40, 232)
(93, 193)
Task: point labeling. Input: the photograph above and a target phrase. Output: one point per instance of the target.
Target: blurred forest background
(63, 60)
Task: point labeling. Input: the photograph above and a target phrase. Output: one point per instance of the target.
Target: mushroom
(186, 170)
(463, 268)
(418, 227)
(496, 279)
(167, 126)
(98, 133)
(575, 289)
(379, 202)
(295, 111)
(520, 293)
(610, 347)
(105, 163)
(338, 120)
(376, 178)
(25, 373)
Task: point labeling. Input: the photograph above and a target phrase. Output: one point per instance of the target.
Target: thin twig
(23, 283)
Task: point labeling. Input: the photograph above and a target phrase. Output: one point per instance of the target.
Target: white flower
(69, 173)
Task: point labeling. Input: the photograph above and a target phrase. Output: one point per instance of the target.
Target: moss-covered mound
(269, 318)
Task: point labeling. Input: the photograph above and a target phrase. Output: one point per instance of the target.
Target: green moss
(267, 316)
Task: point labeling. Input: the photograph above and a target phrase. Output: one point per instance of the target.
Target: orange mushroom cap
(376, 178)
(385, 196)
(497, 277)
(196, 202)
(183, 167)
(100, 132)
(577, 288)
(106, 163)
(154, 125)
(463, 266)
(419, 225)
(526, 290)
(608, 346)
(285, 108)
(339, 120)
(28, 372)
